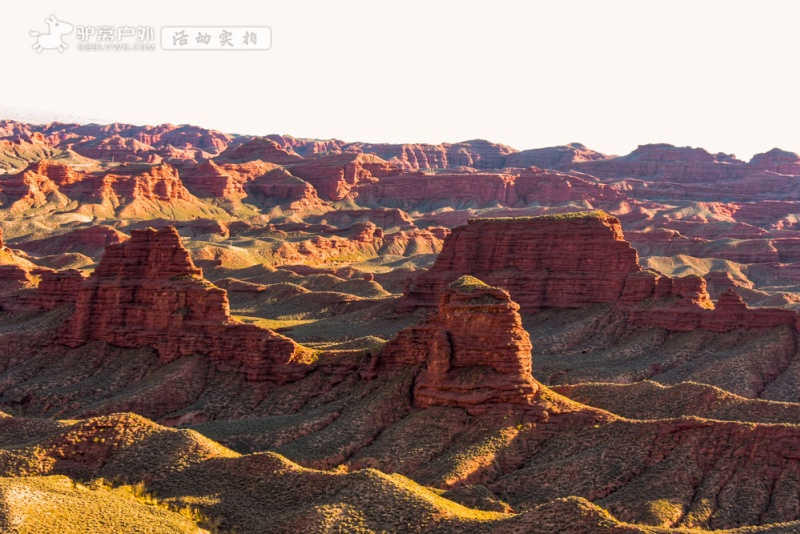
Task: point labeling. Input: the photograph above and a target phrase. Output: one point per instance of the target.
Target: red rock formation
(60, 174)
(125, 183)
(718, 282)
(259, 148)
(548, 187)
(477, 153)
(135, 190)
(662, 171)
(26, 189)
(362, 239)
(732, 313)
(232, 284)
(184, 137)
(413, 188)
(228, 181)
(667, 162)
(210, 180)
(777, 160)
(788, 249)
(279, 187)
(56, 288)
(688, 307)
(307, 147)
(147, 292)
(515, 187)
(712, 182)
(557, 157)
(552, 261)
(118, 149)
(12, 278)
(574, 260)
(475, 352)
(334, 176)
(665, 242)
(765, 214)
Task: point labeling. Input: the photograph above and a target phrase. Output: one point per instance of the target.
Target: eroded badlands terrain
(203, 331)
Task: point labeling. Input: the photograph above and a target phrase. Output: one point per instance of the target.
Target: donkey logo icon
(52, 39)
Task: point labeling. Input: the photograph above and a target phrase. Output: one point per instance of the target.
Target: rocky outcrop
(562, 261)
(184, 137)
(147, 138)
(60, 174)
(26, 189)
(411, 189)
(573, 260)
(731, 313)
(259, 148)
(118, 149)
(777, 160)
(211, 180)
(688, 307)
(56, 288)
(13, 278)
(147, 292)
(667, 162)
(279, 187)
(557, 157)
(553, 188)
(334, 176)
(475, 353)
(662, 171)
(476, 153)
(127, 183)
(307, 147)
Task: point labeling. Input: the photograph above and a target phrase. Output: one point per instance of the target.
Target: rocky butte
(572, 260)
(146, 292)
(560, 261)
(475, 353)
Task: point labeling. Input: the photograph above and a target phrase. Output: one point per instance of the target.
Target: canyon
(365, 337)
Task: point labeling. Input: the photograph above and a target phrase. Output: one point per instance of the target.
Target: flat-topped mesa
(147, 292)
(574, 260)
(554, 261)
(475, 352)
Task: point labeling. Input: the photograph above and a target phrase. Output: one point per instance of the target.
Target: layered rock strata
(475, 353)
(574, 260)
(147, 292)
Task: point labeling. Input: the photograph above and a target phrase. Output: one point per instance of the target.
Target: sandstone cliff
(564, 261)
(573, 260)
(475, 353)
(147, 292)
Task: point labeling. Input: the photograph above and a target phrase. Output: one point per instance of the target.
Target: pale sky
(614, 74)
